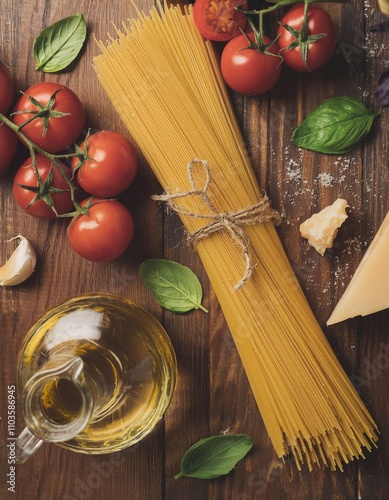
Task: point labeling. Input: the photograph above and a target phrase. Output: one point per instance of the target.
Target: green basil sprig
(214, 456)
(174, 286)
(59, 44)
(335, 127)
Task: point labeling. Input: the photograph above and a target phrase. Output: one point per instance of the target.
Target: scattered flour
(297, 184)
(372, 47)
(294, 170)
(325, 179)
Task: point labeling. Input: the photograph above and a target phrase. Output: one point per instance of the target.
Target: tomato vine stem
(304, 28)
(54, 158)
(302, 36)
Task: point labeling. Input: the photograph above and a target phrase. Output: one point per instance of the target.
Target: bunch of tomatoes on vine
(49, 119)
(63, 177)
(304, 39)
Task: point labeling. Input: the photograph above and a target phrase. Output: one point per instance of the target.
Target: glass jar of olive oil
(96, 374)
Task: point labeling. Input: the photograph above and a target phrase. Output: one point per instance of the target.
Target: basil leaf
(214, 456)
(335, 127)
(174, 286)
(382, 92)
(59, 44)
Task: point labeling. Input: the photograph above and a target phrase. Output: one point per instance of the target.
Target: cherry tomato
(6, 89)
(104, 232)
(51, 132)
(218, 20)
(25, 176)
(248, 70)
(319, 52)
(8, 145)
(110, 166)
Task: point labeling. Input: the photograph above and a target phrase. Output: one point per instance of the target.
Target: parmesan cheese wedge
(368, 290)
(384, 6)
(321, 229)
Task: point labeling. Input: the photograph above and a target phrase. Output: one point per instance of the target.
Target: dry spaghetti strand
(164, 81)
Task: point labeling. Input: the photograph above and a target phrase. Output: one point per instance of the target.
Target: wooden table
(212, 395)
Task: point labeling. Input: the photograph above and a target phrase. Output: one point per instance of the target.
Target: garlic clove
(20, 265)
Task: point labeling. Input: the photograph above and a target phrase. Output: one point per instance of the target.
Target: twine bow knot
(232, 222)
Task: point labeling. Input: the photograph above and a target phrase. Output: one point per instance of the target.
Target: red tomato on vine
(109, 166)
(6, 89)
(46, 195)
(249, 69)
(103, 231)
(55, 116)
(8, 145)
(219, 20)
(304, 52)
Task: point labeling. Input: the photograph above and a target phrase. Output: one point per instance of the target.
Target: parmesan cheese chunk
(368, 290)
(321, 229)
(384, 6)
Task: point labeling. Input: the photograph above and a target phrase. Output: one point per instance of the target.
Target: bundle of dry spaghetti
(164, 81)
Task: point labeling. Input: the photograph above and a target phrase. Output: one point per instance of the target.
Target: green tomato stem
(304, 28)
(33, 148)
(261, 14)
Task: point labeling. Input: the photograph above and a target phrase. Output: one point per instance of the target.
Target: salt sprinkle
(325, 179)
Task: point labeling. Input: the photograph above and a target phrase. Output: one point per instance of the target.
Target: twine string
(232, 222)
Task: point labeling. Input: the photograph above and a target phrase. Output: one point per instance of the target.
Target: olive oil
(128, 364)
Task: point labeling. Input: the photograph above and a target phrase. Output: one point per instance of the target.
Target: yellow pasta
(164, 81)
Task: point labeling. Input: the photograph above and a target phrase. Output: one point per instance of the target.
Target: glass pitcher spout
(56, 405)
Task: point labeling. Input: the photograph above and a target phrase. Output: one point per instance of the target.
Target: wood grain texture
(212, 395)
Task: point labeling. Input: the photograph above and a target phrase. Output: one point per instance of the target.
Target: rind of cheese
(322, 228)
(368, 290)
(384, 6)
